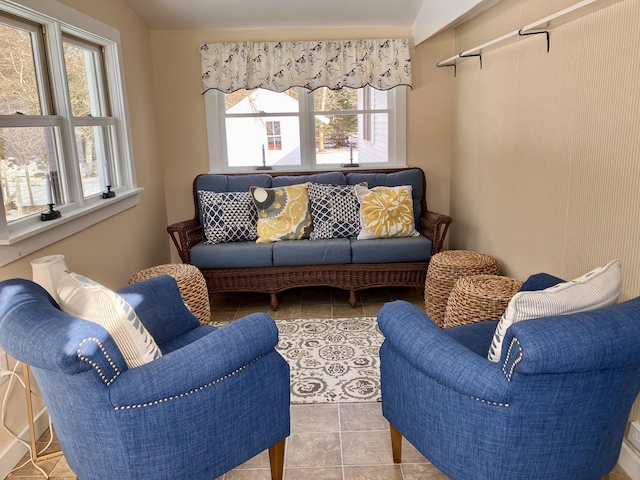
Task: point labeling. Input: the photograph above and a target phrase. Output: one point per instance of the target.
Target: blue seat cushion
(329, 251)
(539, 281)
(411, 176)
(328, 178)
(185, 339)
(232, 255)
(476, 337)
(391, 250)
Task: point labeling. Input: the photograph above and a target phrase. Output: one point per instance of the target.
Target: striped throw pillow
(596, 289)
(86, 299)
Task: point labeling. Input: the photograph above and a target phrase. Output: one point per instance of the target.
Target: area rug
(332, 360)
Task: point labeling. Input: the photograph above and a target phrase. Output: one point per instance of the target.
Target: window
(274, 138)
(319, 130)
(63, 126)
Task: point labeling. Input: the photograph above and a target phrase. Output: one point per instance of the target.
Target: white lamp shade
(47, 271)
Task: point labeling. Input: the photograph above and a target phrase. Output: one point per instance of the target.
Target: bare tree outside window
(26, 153)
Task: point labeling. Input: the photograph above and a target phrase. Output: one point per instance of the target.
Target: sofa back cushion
(411, 176)
(327, 178)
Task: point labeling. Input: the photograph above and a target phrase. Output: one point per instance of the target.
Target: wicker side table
(447, 267)
(192, 285)
(479, 297)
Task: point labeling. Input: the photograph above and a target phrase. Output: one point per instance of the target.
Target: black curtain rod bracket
(479, 55)
(455, 68)
(546, 32)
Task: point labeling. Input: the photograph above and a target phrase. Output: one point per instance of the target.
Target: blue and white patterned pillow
(335, 211)
(228, 217)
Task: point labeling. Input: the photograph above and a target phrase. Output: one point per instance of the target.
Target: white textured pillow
(84, 298)
(596, 289)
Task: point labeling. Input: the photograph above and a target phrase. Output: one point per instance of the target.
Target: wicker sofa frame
(350, 277)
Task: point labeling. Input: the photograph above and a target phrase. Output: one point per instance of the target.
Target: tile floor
(328, 441)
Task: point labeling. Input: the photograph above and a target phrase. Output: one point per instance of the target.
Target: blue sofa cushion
(312, 252)
(232, 255)
(230, 183)
(391, 250)
(335, 211)
(411, 176)
(329, 178)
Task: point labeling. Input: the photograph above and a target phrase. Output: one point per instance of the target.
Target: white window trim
(31, 234)
(397, 137)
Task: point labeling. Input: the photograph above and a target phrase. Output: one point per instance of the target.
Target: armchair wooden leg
(606, 477)
(396, 444)
(276, 460)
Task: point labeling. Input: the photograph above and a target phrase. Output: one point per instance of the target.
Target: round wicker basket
(191, 282)
(447, 267)
(479, 297)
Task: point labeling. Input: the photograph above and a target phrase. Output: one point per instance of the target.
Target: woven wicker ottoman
(447, 267)
(192, 285)
(479, 297)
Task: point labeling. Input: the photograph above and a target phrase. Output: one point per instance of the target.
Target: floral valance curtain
(278, 66)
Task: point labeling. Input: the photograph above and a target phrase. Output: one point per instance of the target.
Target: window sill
(317, 169)
(43, 234)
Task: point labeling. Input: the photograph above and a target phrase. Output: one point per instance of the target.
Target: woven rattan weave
(479, 297)
(191, 282)
(447, 267)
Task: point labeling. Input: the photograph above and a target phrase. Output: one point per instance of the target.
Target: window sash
(50, 25)
(217, 136)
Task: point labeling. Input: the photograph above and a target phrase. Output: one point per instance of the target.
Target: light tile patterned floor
(328, 441)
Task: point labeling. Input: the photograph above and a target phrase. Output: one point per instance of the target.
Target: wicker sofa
(344, 263)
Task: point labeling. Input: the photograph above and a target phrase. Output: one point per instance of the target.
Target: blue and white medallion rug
(332, 359)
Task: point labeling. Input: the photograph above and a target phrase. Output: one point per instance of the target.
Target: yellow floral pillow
(283, 213)
(386, 212)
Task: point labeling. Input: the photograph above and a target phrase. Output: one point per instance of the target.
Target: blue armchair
(216, 397)
(555, 406)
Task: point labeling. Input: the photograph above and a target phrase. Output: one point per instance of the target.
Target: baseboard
(630, 462)
(14, 452)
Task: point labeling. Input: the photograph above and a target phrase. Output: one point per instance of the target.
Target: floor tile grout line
(340, 442)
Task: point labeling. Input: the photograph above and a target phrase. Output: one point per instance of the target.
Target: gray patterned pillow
(335, 211)
(228, 216)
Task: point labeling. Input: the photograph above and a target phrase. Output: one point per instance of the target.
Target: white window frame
(216, 133)
(29, 234)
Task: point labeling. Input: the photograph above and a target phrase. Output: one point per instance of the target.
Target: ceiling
(258, 14)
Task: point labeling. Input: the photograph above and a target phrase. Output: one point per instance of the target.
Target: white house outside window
(64, 134)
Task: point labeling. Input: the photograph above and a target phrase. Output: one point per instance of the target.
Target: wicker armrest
(434, 227)
(188, 234)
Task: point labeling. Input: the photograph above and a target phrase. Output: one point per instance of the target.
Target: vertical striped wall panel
(546, 154)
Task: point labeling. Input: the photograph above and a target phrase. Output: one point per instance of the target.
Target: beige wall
(111, 251)
(181, 114)
(546, 156)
